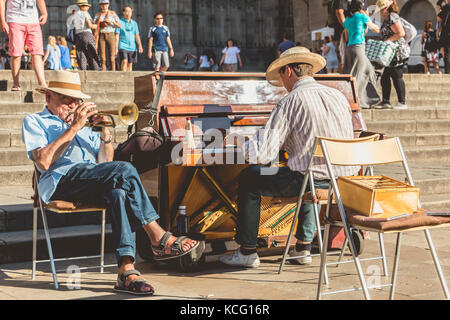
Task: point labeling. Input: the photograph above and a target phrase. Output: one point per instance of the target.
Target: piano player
(307, 111)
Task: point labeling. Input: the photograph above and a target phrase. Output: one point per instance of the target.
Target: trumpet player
(76, 164)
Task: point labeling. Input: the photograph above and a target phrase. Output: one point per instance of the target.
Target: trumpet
(126, 114)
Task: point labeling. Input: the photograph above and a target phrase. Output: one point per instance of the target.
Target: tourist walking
(127, 36)
(230, 57)
(52, 54)
(23, 24)
(392, 30)
(356, 62)
(87, 57)
(443, 32)
(329, 52)
(107, 21)
(160, 46)
(431, 48)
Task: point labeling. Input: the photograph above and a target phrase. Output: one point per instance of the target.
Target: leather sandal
(176, 249)
(135, 286)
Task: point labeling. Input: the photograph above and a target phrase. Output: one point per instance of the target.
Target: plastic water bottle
(182, 222)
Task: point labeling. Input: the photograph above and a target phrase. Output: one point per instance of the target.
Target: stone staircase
(424, 130)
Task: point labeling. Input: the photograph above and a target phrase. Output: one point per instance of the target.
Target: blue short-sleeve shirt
(41, 129)
(159, 35)
(356, 27)
(127, 34)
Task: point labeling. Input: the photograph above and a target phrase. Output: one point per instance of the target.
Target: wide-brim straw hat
(83, 3)
(65, 82)
(293, 55)
(381, 4)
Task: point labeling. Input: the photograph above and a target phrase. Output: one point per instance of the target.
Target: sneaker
(304, 257)
(238, 259)
(382, 105)
(401, 106)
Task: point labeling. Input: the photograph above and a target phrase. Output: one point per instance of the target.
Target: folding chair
(350, 153)
(310, 178)
(61, 207)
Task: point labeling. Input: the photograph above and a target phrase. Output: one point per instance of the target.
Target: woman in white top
(205, 62)
(230, 57)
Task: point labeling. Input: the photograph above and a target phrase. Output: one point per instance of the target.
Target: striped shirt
(308, 111)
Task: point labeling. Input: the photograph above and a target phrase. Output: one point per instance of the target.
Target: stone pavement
(417, 279)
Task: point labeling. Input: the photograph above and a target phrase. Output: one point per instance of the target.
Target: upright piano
(234, 103)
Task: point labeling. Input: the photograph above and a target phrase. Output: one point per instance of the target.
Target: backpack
(410, 30)
(431, 43)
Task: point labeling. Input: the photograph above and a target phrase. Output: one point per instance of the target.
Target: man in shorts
(127, 36)
(159, 44)
(20, 20)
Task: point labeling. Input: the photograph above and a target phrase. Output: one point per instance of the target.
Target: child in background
(65, 54)
(73, 58)
(53, 54)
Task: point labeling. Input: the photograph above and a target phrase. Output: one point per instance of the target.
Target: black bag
(144, 149)
(431, 43)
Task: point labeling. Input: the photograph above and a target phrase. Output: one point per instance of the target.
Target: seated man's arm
(43, 153)
(106, 150)
(266, 143)
(46, 156)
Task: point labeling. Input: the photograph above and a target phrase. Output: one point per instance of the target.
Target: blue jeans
(285, 183)
(116, 186)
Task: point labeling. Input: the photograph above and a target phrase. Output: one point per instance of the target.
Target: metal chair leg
(288, 243)
(319, 236)
(294, 221)
(323, 260)
(102, 244)
(437, 264)
(383, 254)
(341, 255)
(33, 270)
(49, 247)
(395, 268)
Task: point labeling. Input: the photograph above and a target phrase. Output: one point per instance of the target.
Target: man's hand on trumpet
(81, 113)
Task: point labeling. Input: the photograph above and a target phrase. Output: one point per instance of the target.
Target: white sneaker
(305, 257)
(238, 259)
(401, 106)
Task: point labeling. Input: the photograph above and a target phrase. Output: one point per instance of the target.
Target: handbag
(71, 35)
(410, 30)
(145, 149)
(380, 52)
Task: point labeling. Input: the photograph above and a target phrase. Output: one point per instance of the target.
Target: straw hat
(65, 82)
(293, 55)
(384, 3)
(83, 3)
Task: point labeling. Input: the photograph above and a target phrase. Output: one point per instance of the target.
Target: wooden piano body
(239, 103)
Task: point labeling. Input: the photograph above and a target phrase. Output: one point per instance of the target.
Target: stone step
(428, 154)
(85, 76)
(13, 156)
(116, 97)
(69, 241)
(425, 139)
(392, 127)
(107, 86)
(427, 95)
(16, 175)
(419, 113)
(435, 202)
